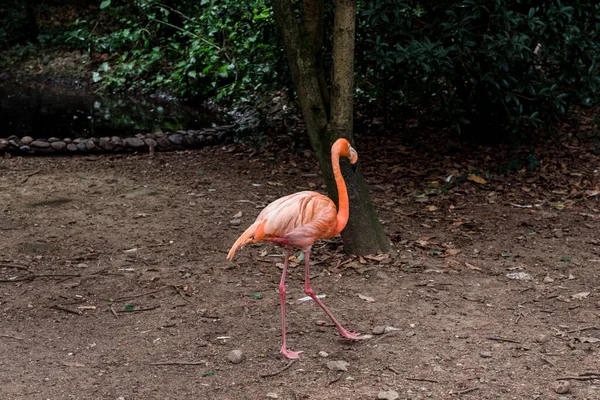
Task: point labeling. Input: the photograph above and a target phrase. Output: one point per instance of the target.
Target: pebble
(486, 354)
(72, 147)
(58, 145)
(134, 143)
(323, 354)
(53, 139)
(235, 356)
(39, 144)
(176, 139)
(338, 365)
(26, 140)
(541, 338)
(563, 387)
(90, 145)
(81, 146)
(519, 276)
(272, 395)
(388, 395)
(378, 330)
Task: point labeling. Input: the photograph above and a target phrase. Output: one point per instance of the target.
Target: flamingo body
(298, 220)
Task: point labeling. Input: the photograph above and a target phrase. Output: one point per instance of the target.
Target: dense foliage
(494, 65)
(481, 66)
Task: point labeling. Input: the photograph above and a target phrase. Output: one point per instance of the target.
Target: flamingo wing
(298, 220)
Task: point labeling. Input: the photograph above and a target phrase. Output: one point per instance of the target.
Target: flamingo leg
(284, 351)
(309, 291)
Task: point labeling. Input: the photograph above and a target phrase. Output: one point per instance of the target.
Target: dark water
(43, 112)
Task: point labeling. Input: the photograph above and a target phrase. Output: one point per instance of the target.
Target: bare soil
(114, 283)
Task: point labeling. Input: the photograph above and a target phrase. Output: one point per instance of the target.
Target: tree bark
(363, 233)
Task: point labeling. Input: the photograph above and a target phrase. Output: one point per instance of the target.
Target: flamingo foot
(349, 335)
(290, 355)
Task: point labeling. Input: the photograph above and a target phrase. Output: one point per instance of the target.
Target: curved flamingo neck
(343, 210)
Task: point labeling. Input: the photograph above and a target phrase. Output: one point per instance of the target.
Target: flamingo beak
(354, 166)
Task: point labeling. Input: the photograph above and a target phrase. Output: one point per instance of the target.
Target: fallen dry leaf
(450, 252)
(377, 257)
(588, 339)
(366, 298)
(432, 208)
(476, 179)
(472, 266)
(237, 215)
(580, 295)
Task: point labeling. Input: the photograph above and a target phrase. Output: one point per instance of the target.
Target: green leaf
(208, 373)
(256, 296)
(129, 308)
(105, 4)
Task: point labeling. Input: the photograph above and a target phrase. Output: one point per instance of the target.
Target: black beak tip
(354, 166)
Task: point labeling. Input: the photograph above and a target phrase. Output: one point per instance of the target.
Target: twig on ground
(180, 363)
(334, 380)
(421, 379)
(465, 391)
(181, 293)
(29, 175)
(503, 339)
(67, 309)
(12, 337)
(139, 310)
(280, 370)
(114, 313)
(578, 378)
(140, 294)
(394, 370)
(15, 266)
(585, 328)
(34, 276)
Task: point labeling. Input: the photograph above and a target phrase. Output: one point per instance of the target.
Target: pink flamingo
(298, 220)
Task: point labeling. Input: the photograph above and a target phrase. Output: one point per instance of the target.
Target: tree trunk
(364, 233)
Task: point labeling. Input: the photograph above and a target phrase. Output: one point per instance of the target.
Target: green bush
(499, 67)
(192, 49)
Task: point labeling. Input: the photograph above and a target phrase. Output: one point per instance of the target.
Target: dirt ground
(114, 283)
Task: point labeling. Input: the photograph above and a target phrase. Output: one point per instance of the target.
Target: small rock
(235, 356)
(81, 146)
(323, 354)
(541, 338)
(577, 352)
(58, 145)
(163, 143)
(389, 395)
(547, 279)
(563, 398)
(26, 140)
(338, 365)
(558, 233)
(519, 276)
(67, 140)
(235, 222)
(82, 265)
(25, 148)
(90, 145)
(134, 143)
(106, 144)
(39, 144)
(117, 141)
(3, 144)
(71, 147)
(176, 139)
(378, 330)
(53, 139)
(272, 395)
(563, 387)
(486, 354)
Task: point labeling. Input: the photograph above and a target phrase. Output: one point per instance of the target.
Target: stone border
(149, 142)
